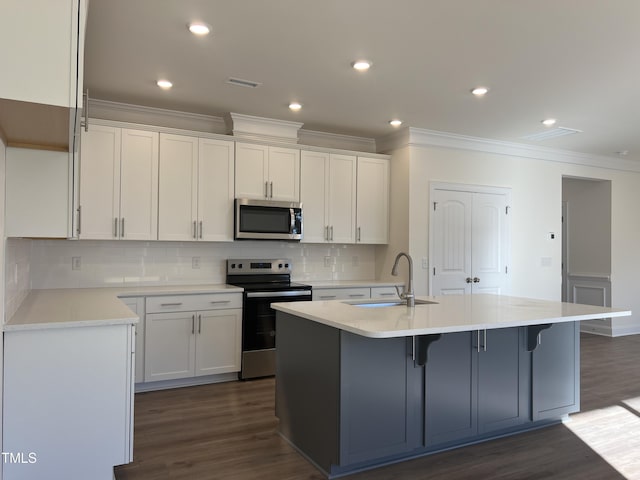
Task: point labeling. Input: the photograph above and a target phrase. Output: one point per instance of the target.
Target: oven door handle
(292, 225)
(275, 295)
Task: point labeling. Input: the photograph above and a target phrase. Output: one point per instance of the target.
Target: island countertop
(448, 313)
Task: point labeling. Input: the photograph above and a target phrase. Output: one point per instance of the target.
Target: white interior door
(469, 245)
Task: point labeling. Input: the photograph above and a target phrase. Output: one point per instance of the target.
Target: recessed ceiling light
(361, 65)
(295, 106)
(164, 84)
(480, 91)
(395, 122)
(199, 28)
(549, 122)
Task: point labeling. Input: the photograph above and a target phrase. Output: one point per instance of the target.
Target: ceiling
(573, 60)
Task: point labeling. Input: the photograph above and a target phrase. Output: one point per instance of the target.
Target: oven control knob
(279, 265)
(239, 265)
(286, 265)
(233, 265)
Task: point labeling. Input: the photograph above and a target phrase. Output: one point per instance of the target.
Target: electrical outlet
(195, 262)
(425, 263)
(75, 263)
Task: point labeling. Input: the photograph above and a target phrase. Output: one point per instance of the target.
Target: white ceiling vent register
(239, 82)
(551, 133)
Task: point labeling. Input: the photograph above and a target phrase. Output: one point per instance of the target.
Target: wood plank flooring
(228, 432)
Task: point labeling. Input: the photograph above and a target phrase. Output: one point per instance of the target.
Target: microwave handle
(292, 215)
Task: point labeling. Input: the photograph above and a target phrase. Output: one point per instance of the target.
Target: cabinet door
(177, 202)
(284, 174)
(503, 379)
(380, 398)
(342, 199)
(341, 293)
(450, 389)
(139, 185)
(169, 346)
(314, 195)
(251, 171)
(556, 371)
(99, 182)
(373, 200)
(218, 341)
(215, 190)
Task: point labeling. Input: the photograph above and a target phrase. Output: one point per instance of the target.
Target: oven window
(264, 219)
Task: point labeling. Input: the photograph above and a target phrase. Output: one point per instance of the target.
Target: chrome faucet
(408, 294)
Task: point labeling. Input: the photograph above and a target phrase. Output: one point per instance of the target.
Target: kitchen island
(362, 384)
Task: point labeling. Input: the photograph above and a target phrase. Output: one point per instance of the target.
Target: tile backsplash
(85, 263)
(17, 273)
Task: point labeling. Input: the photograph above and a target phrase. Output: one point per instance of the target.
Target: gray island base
(349, 402)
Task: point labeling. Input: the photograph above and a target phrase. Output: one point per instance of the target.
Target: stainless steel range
(265, 281)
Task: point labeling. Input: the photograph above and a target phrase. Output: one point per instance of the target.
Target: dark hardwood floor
(228, 432)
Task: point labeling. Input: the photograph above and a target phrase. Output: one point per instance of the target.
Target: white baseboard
(185, 382)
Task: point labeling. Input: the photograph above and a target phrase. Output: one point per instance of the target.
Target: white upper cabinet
(196, 189)
(42, 78)
(118, 184)
(264, 172)
(373, 201)
(328, 195)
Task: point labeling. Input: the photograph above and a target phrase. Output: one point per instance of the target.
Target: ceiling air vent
(243, 83)
(551, 133)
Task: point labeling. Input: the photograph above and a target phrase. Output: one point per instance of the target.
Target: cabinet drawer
(184, 303)
(341, 293)
(384, 292)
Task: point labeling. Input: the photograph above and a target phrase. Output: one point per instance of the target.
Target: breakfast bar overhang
(363, 384)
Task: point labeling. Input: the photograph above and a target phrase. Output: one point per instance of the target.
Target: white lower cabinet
(183, 341)
(68, 401)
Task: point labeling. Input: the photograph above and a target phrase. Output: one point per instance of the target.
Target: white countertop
(451, 313)
(77, 307)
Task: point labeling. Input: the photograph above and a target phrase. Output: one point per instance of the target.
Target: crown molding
(125, 112)
(260, 128)
(416, 137)
(336, 140)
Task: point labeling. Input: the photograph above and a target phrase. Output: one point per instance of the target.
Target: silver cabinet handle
(468, 280)
(115, 227)
(195, 227)
(476, 279)
(175, 304)
(79, 229)
(332, 233)
(326, 233)
(200, 236)
(413, 348)
(199, 323)
(122, 227)
(359, 234)
(478, 341)
(327, 297)
(218, 302)
(266, 189)
(356, 295)
(271, 193)
(387, 294)
(484, 343)
(193, 324)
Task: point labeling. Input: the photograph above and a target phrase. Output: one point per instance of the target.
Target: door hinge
(506, 210)
(434, 271)
(506, 269)
(434, 206)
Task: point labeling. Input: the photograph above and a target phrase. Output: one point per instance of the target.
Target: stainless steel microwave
(267, 220)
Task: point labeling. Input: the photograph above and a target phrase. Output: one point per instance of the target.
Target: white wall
(589, 226)
(536, 210)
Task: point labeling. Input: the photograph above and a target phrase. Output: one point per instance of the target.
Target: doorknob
(476, 279)
(468, 279)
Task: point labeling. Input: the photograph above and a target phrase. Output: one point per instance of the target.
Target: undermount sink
(386, 303)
